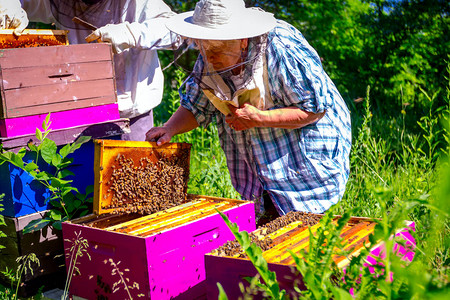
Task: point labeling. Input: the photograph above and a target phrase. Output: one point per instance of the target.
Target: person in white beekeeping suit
(136, 30)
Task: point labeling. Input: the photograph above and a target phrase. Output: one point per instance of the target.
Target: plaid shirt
(303, 169)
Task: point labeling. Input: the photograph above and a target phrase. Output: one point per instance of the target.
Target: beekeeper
(135, 28)
(282, 124)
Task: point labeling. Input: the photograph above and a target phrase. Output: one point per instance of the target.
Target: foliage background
(390, 61)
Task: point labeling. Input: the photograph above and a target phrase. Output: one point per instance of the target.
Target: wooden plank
(69, 135)
(56, 74)
(19, 126)
(43, 56)
(63, 96)
(61, 106)
(2, 96)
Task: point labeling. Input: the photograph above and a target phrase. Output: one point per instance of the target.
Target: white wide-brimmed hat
(221, 20)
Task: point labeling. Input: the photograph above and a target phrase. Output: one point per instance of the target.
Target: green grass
(394, 170)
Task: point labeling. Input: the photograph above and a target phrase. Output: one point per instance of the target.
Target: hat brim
(252, 23)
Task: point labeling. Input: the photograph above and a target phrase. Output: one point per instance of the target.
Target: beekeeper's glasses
(222, 54)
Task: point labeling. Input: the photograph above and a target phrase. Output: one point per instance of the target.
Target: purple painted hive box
(147, 237)
(229, 267)
(75, 83)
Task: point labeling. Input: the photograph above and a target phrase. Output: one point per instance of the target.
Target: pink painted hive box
(147, 237)
(228, 266)
(75, 83)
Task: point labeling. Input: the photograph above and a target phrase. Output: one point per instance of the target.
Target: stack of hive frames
(228, 264)
(139, 176)
(162, 251)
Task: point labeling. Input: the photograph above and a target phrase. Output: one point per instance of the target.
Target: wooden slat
(43, 56)
(167, 213)
(56, 74)
(61, 106)
(298, 241)
(151, 229)
(64, 96)
(2, 95)
(69, 135)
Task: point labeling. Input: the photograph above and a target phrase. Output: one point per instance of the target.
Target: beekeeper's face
(222, 54)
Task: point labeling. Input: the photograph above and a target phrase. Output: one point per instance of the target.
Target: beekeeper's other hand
(119, 35)
(13, 16)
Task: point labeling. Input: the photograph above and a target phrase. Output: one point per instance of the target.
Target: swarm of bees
(261, 239)
(307, 219)
(148, 187)
(25, 43)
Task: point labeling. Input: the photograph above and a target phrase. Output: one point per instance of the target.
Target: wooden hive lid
(131, 174)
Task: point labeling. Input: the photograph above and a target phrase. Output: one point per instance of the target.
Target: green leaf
(21, 153)
(39, 134)
(57, 225)
(55, 215)
(57, 183)
(84, 213)
(65, 163)
(64, 173)
(89, 189)
(65, 150)
(56, 160)
(17, 160)
(82, 139)
(56, 204)
(12, 158)
(222, 294)
(77, 203)
(32, 146)
(48, 150)
(46, 122)
(31, 167)
(36, 225)
(43, 175)
(80, 196)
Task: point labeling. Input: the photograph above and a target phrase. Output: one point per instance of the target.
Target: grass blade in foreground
(271, 286)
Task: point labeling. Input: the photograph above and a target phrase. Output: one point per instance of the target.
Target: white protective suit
(139, 79)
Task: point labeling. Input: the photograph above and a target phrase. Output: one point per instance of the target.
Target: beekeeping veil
(96, 12)
(213, 24)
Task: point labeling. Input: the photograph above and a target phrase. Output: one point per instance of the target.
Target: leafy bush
(66, 201)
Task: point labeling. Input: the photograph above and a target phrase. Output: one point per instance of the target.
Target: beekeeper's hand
(119, 35)
(13, 16)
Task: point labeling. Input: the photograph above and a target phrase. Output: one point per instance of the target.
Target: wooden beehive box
(230, 267)
(43, 74)
(159, 253)
(45, 243)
